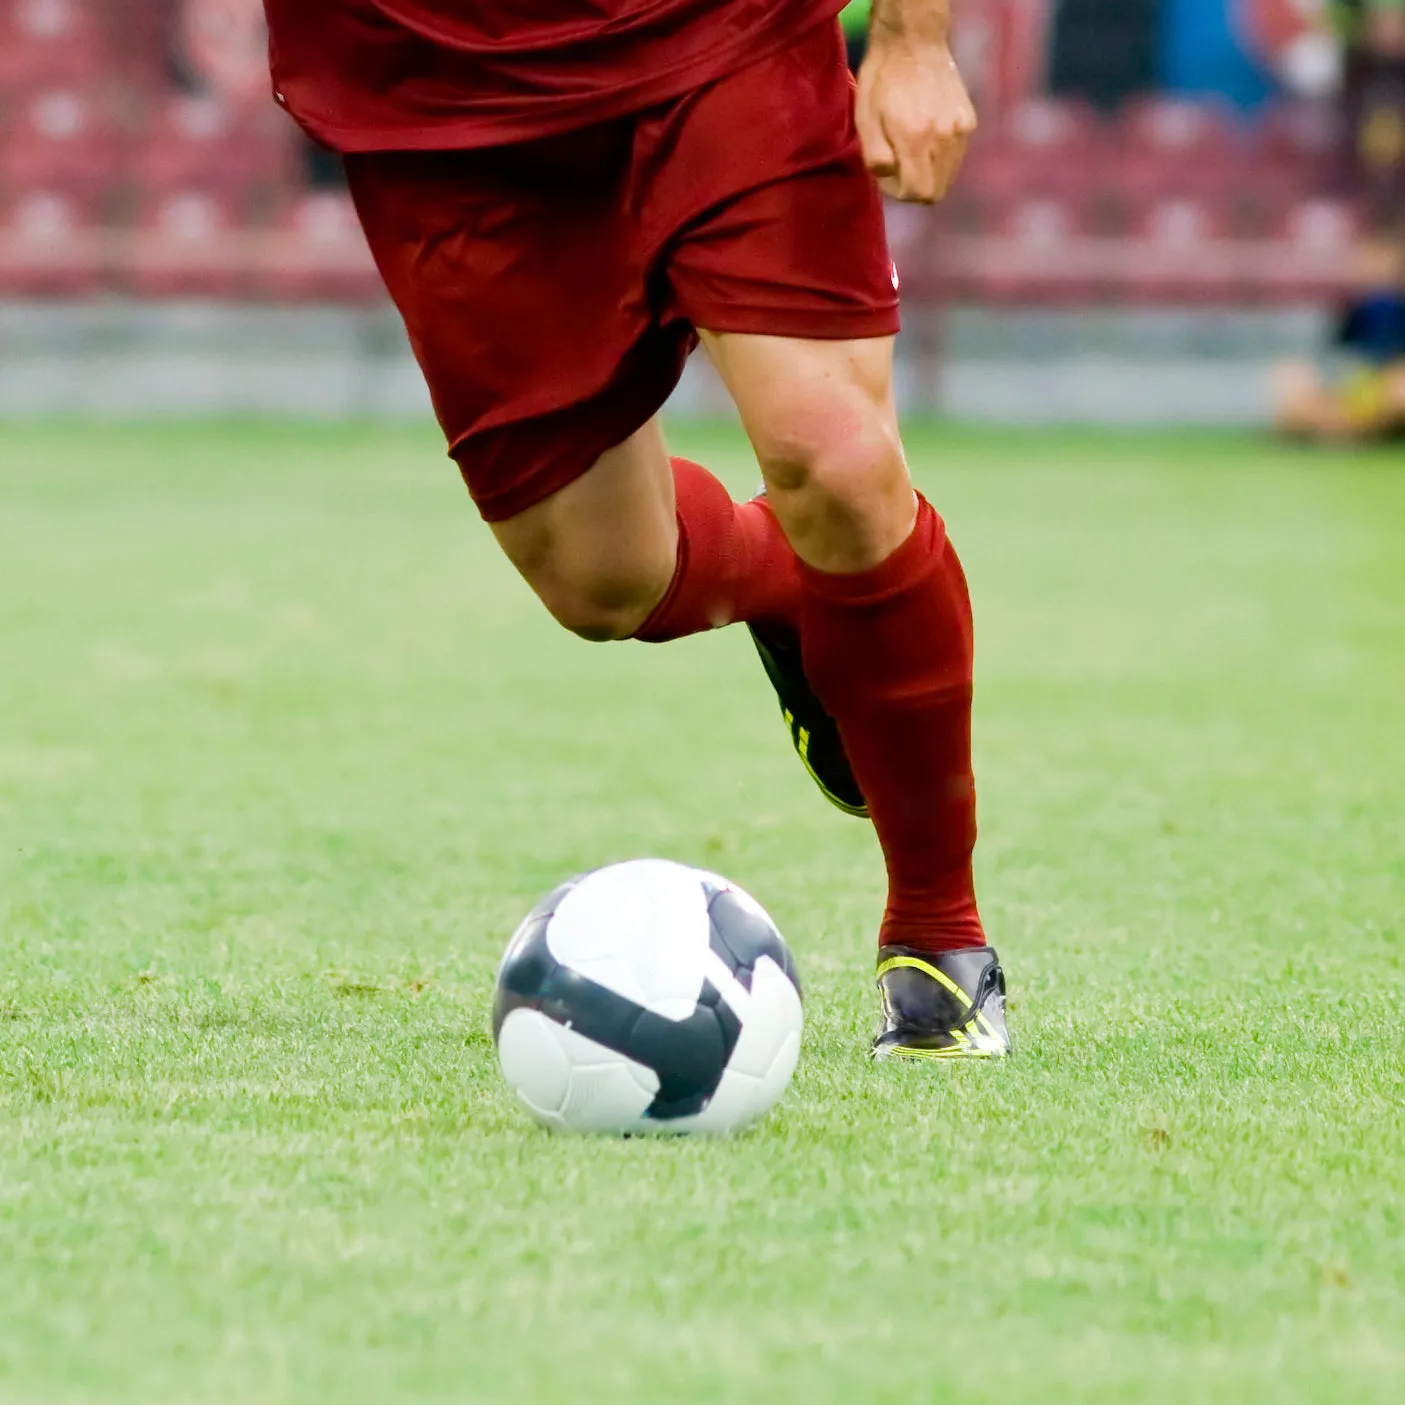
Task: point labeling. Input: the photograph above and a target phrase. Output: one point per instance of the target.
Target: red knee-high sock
(734, 563)
(889, 652)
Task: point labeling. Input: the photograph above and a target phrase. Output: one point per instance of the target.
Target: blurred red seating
(1295, 150)
(202, 143)
(1302, 138)
(44, 43)
(1041, 253)
(1043, 146)
(1182, 251)
(60, 141)
(1264, 195)
(140, 46)
(1311, 256)
(1179, 129)
(919, 239)
(319, 252)
(50, 244)
(998, 180)
(1159, 149)
(990, 179)
(1321, 225)
(190, 243)
(1134, 184)
(1053, 129)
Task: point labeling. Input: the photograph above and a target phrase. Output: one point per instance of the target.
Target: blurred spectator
(1105, 50)
(1293, 44)
(1365, 400)
(1374, 106)
(1223, 48)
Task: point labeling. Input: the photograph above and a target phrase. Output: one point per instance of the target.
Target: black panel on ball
(527, 962)
(741, 937)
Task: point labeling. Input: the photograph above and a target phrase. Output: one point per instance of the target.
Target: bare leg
(601, 552)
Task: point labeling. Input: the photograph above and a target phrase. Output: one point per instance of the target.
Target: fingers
(950, 154)
(878, 153)
(926, 151)
(927, 162)
(915, 151)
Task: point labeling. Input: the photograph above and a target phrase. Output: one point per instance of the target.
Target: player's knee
(838, 444)
(839, 483)
(854, 466)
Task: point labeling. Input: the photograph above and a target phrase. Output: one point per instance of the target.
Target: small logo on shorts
(893, 273)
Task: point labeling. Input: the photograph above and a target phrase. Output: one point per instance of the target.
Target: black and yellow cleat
(946, 1005)
(812, 730)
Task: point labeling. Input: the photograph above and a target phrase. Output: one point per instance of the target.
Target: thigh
(601, 551)
(798, 397)
(758, 182)
(521, 283)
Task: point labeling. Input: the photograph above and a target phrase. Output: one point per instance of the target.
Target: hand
(914, 117)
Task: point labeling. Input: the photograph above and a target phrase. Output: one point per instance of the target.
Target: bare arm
(914, 114)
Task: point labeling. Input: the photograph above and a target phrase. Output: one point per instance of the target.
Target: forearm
(911, 21)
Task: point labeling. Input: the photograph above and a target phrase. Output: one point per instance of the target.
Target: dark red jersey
(368, 75)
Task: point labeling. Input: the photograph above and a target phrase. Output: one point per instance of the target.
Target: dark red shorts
(551, 289)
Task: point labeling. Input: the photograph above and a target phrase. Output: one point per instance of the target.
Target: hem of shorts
(524, 495)
(801, 324)
(521, 497)
(488, 130)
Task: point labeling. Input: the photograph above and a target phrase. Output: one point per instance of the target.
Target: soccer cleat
(941, 1005)
(812, 730)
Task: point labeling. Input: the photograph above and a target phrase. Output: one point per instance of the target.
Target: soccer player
(1366, 404)
(563, 197)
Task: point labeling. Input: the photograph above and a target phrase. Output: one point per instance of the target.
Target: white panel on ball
(534, 1062)
(777, 1077)
(608, 928)
(606, 1090)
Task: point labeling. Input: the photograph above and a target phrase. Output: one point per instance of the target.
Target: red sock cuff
(915, 558)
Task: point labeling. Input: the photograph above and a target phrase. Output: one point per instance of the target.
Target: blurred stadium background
(286, 750)
(1166, 197)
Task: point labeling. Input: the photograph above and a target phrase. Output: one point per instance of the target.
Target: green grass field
(286, 750)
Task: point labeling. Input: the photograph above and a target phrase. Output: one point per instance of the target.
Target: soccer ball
(648, 997)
